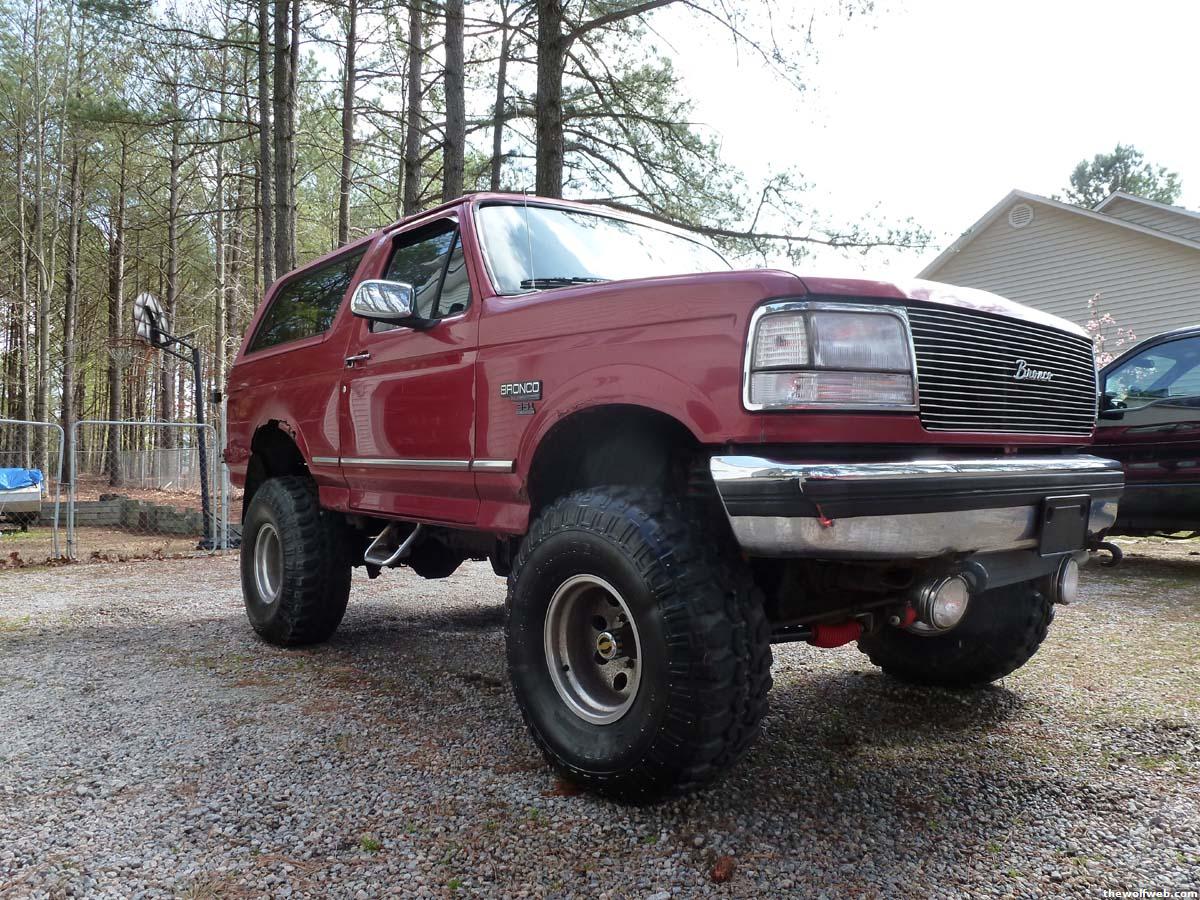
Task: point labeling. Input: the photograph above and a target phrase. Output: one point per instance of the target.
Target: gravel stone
(151, 746)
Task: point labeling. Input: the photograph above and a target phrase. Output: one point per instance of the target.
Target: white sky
(935, 109)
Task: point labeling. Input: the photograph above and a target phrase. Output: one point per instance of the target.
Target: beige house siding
(1179, 224)
(1060, 259)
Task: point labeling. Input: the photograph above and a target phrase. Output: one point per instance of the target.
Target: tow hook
(1116, 554)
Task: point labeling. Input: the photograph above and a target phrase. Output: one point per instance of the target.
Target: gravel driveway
(150, 745)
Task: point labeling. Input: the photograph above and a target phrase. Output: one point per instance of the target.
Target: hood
(921, 291)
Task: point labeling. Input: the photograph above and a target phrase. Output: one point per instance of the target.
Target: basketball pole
(166, 343)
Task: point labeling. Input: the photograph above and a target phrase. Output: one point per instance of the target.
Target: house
(1141, 257)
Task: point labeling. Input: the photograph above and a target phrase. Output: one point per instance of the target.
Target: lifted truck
(674, 463)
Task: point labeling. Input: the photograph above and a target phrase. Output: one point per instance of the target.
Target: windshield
(561, 247)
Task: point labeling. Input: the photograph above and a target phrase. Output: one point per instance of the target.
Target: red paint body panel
(673, 344)
(412, 399)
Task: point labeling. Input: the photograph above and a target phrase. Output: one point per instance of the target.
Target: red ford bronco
(675, 464)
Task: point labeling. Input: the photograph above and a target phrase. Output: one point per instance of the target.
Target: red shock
(836, 635)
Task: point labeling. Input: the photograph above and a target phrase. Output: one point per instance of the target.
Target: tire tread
(316, 572)
(718, 637)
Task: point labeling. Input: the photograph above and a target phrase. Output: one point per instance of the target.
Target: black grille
(966, 367)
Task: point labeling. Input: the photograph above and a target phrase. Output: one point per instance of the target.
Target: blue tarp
(11, 479)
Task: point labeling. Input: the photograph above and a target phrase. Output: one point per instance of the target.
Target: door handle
(357, 357)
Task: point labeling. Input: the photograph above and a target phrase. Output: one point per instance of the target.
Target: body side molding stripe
(408, 463)
(493, 465)
(479, 465)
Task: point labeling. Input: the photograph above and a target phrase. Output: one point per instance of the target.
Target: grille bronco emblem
(1026, 372)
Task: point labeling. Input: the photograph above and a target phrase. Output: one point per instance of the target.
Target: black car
(1150, 421)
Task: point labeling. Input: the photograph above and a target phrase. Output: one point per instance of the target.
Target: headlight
(847, 357)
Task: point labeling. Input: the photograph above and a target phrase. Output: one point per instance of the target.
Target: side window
(431, 260)
(1168, 371)
(306, 306)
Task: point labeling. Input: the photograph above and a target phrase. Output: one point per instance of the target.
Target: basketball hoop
(129, 351)
(150, 320)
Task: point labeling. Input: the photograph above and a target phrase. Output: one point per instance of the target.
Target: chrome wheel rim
(593, 649)
(268, 563)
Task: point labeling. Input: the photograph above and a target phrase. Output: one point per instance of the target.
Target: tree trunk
(454, 149)
(412, 138)
(41, 279)
(167, 438)
(498, 110)
(266, 208)
(70, 309)
(116, 314)
(551, 53)
(219, 247)
(287, 46)
(237, 251)
(348, 85)
(22, 317)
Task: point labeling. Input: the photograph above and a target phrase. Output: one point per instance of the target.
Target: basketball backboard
(150, 320)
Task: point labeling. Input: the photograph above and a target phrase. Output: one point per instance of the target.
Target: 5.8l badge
(523, 393)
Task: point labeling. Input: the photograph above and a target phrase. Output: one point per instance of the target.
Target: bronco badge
(519, 391)
(522, 393)
(1026, 372)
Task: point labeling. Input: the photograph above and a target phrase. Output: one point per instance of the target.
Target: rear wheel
(640, 658)
(999, 633)
(295, 565)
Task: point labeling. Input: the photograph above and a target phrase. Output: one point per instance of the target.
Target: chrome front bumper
(906, 510)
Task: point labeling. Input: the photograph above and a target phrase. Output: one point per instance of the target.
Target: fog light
(941, 604)
(1066, 581)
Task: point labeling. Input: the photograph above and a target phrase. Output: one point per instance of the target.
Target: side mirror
(386, 301)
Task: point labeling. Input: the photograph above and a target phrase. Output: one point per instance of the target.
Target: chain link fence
(146, 490)
(31, 492)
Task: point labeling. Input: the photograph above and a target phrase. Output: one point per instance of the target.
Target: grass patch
(368, 843)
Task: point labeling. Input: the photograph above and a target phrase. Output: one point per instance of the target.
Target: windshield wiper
(560, 281)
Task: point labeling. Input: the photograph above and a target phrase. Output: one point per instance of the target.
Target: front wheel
(639, 656)
(295, 566)
(999, 633)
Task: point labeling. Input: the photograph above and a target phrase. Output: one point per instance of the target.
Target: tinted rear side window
(306, 306)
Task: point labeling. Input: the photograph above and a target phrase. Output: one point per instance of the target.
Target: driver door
(407, 424)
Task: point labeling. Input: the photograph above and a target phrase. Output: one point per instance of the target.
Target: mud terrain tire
(1001, 630)
(703, 639)
(286, 533)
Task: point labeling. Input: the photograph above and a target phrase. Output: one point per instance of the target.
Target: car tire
(1000, 632)
(294, 563)
(687, 630)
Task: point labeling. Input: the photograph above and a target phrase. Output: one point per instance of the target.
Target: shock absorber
(836, 634)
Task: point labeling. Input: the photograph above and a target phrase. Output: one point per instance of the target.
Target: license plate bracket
(1064, 522)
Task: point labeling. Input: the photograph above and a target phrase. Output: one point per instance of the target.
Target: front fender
(620, 385)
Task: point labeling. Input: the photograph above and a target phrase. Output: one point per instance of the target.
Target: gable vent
(1020, 215)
